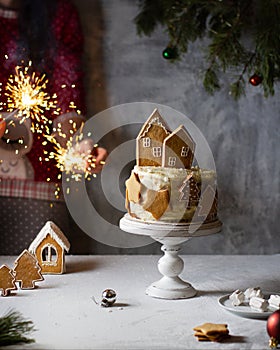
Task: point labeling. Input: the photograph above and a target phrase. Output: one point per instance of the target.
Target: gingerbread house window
(49, 255)
(171, 161)
(146, 142)
(157, 151)
(184, 151)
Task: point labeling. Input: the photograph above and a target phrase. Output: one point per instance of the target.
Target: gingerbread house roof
(54, 231)
(184, 135)
(154, 118)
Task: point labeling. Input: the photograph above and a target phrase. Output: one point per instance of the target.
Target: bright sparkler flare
(26, 94)
(70, 159)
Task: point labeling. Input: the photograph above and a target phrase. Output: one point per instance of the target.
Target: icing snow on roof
(54, 231)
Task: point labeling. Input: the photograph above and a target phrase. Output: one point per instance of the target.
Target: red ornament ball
(255, 80)
(273, 325)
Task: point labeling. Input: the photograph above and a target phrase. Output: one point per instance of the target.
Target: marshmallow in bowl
(237, 297)
(258, 304)
(274, 301)
(253, 292)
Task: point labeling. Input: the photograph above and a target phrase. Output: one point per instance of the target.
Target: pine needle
(14, 329)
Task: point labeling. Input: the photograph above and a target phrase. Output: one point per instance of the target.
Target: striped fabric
(30, 189)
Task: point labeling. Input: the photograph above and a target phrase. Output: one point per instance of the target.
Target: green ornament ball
(170, 53)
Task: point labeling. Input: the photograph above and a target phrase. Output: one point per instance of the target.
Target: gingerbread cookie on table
(211, 332)
(27, 271)
(7, 280)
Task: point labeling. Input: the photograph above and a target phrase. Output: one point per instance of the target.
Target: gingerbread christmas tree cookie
(27, 271)
(7, 280)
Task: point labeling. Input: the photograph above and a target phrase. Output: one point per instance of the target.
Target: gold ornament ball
(273, 343)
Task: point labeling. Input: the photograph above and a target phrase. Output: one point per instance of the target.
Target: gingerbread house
(49, 248)
(156, 145)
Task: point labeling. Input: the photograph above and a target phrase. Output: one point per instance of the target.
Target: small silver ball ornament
(109, 296)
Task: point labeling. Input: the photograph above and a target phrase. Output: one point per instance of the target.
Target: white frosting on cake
(171, 179)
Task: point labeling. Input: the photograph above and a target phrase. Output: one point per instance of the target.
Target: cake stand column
(170, 265)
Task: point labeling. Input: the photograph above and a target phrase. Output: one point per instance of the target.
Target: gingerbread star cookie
(211, 332)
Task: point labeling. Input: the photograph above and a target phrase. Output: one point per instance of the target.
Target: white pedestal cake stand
(170, 265)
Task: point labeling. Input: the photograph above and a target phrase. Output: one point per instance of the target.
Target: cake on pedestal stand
(170, 265)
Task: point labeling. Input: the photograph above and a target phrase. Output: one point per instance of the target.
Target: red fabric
(66, 69)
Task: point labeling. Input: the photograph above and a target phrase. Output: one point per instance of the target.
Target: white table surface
(66, 317)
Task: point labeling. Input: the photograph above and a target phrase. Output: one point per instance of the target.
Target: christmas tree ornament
(255, 80)
(273, 329)
(108, 297)
(170, 53)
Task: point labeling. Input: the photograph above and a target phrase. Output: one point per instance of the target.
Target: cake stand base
(170, 265)
(171, 288)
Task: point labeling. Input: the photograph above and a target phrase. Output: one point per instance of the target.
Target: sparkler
(70, 159)
(26, 97)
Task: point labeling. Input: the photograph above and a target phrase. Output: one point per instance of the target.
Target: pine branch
(186, 23)
(150, 15)
(226, 23)
(211, 81)
(268, 44)
(237, 89)
(13, 329)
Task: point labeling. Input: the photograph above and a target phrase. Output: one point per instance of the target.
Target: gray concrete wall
(244, 136)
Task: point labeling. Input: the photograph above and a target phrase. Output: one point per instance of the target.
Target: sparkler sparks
(26, 94)
(72, 159)
(27, 98)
